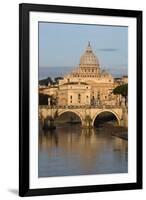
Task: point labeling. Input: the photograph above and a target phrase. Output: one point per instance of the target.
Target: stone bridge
(83, 111)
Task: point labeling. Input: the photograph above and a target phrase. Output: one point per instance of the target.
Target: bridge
(46, 111)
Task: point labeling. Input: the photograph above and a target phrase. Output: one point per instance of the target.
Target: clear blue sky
(63, 44)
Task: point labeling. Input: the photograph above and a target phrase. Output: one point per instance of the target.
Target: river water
(70, 150)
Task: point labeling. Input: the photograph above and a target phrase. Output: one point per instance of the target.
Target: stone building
(87, 84)
(74, 93)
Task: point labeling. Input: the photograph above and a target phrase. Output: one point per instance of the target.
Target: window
(79, 98)
(70, 98)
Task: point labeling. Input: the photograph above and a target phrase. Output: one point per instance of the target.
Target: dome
(88, 58)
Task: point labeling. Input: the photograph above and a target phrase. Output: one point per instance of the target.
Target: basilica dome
(88, 58)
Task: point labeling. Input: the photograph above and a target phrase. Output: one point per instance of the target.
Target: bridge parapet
(78, 107)
(81, 111)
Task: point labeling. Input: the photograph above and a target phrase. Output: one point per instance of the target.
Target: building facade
(87, 84)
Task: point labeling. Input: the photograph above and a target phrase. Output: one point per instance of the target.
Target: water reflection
(71, 150)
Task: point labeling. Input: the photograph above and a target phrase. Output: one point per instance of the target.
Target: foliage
(46, 81)
(122, 89)
(57, 79)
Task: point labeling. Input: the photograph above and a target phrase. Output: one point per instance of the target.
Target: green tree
(57, 79)
(45, 82)
(122, 90)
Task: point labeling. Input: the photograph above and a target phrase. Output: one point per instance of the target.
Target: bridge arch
(103, 111)
(71, 111)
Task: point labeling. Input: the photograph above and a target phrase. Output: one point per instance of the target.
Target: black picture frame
(24, 82)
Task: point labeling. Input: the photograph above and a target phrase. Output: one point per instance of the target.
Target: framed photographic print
(80, 99)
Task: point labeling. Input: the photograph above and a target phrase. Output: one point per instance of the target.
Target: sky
(63, 44)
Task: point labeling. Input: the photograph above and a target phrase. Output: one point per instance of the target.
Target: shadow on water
(105, 118)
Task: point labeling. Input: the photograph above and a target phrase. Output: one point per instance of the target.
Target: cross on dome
(89, 47)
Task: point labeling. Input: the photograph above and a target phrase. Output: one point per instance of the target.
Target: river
(71, 150)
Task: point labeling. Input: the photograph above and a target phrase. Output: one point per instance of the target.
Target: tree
(49, 80)
(122, 90)
(46, 81)
(57, 79)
